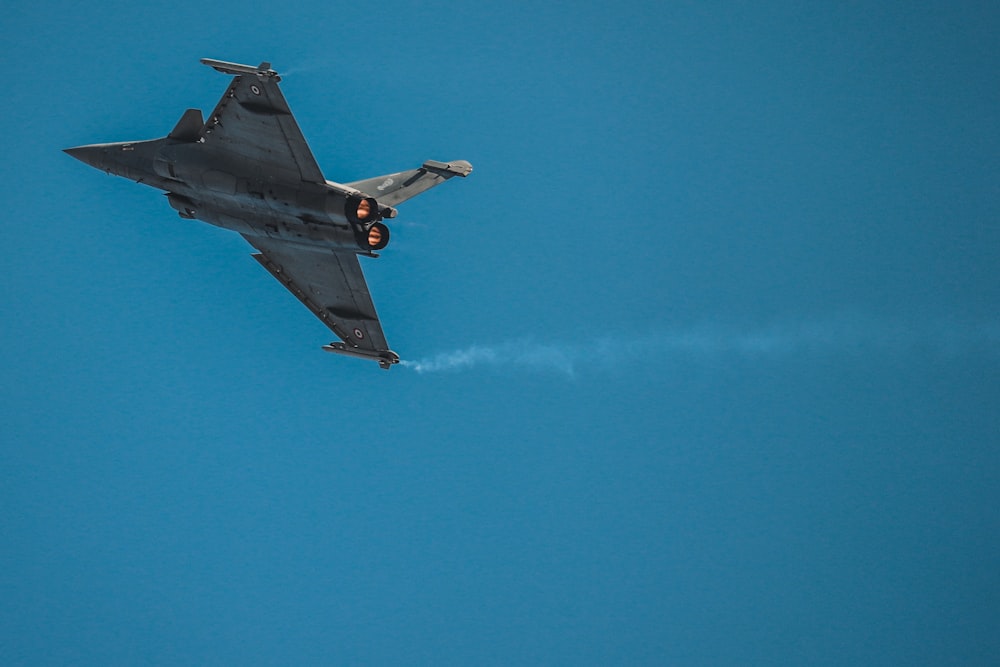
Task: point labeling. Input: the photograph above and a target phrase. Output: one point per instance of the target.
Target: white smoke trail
(294, 70)
(512, 353)
(709, 344)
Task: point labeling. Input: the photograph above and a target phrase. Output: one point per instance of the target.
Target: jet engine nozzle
(378, 236)
(362, 210)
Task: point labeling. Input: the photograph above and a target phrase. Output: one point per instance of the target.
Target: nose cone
(92, 155)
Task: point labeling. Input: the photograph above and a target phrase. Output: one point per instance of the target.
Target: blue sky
(704, 356)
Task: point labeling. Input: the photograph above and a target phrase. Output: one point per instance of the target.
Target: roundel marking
(255, 90)
(359, 334)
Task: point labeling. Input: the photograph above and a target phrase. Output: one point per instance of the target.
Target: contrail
(714, 343)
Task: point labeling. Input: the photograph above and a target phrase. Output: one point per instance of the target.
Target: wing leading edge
(332, 286)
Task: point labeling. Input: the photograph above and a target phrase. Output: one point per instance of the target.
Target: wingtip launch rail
(264, 69)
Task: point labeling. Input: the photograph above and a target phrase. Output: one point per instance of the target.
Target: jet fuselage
(233, 194)
(248, 168)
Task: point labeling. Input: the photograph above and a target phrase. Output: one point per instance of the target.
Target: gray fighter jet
(248, 169)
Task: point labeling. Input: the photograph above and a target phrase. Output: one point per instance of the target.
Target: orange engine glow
(378, 236)
(364, 209)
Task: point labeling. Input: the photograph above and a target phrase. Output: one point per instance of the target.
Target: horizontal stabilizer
(189, 127)
(393, 189)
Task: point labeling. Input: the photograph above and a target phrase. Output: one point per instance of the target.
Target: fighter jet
(249, 169)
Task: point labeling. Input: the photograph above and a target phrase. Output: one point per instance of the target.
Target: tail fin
(188, 128)
(393, 189)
